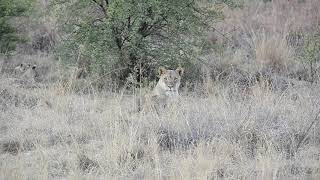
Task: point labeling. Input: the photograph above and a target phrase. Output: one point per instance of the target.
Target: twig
(206, 63)
(304, 135)
(119, 69)
(223, 35)
(101, 7)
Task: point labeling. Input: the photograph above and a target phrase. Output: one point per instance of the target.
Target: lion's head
(170, 79)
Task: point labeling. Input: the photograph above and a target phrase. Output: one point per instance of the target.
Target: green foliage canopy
(8, 10)
(134, 36)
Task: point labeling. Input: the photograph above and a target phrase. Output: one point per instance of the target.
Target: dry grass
(272, 51)
(264, 35)
(232, 127)
(230, 135)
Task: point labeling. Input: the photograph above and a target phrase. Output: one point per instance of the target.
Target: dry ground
(48, 132)
(230, 127)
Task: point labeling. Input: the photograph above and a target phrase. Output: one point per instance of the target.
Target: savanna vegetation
(72, 70)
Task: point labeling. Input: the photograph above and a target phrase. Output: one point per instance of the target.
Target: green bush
(133, 37)
(8, 34)
(310, 53)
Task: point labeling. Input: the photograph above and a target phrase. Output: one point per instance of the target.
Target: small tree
(134, 36)
(8, 10)
(311, 52)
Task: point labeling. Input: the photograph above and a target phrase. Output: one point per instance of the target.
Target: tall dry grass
(268, 34)
(231, 127)
(258, 134)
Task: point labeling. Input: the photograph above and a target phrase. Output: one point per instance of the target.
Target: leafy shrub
(43, 39)
(310, 53)
(133, 37)
(8, 34)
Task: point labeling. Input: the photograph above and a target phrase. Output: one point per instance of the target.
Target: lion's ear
(162, 70)
(180, 71)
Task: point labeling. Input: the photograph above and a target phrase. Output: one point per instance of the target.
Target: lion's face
(170, 79)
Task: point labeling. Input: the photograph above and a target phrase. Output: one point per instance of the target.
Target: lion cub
(165, 92)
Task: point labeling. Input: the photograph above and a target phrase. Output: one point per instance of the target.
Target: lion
(19, 70)
(165, 92)
(30, 73)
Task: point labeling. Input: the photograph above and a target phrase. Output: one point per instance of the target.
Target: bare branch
(103, 9)
(146, 29)
(305, 134)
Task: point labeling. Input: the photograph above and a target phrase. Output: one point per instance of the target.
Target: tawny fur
(165, 92)
(30, 73)
(19, 70)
